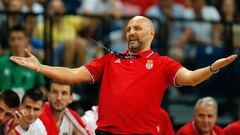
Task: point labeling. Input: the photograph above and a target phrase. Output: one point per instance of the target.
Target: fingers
(15, 58)
(28, 52)
(223, 62)
(17, 118)
(232, 58)
(228, 60)
(18, 60)
(20, 115)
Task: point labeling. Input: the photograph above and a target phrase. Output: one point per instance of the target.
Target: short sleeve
(96, 67)
(172, 68)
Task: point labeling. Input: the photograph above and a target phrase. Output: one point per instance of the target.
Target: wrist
(213, 70)
(38, 69)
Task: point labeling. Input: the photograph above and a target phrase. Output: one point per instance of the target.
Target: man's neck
(25, 126)
(58, 116)
(136, 53)
(21, 54)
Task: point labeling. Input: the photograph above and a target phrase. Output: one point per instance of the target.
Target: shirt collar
(145, 54)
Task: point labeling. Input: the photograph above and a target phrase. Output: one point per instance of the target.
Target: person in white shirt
(57, 117)
(26, 121)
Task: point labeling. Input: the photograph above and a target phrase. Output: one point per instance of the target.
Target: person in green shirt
(13, 76)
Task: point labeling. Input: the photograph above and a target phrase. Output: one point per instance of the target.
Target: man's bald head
(146, 20)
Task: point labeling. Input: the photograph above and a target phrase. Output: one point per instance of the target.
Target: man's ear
(151, 34)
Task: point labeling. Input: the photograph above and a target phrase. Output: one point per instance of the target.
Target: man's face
(29, 25)
(6, 112)
(34, 109)
(137, 34)
(205, 118)
(14, 6)
(18, 41)
(59, 96)
(56, 7)
(228, 7)
(198, 5)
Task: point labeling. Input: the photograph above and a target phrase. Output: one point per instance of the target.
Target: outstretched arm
(67, 75)
(186, 77)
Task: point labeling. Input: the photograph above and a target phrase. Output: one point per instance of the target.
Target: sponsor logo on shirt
(149, 64)
(117, 61)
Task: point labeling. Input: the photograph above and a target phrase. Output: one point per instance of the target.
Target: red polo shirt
(132, 91)
(232, 129)
(189, 129)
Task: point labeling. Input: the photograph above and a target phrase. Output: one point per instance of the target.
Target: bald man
(133, 83)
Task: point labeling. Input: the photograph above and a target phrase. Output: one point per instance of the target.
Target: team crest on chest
(149, 64)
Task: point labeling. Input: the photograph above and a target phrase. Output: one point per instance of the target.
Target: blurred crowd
(194, 32)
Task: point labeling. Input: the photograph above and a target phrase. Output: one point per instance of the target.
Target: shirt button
(131, 62)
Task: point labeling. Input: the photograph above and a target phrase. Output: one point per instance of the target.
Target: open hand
(223, 62)
(30, 61)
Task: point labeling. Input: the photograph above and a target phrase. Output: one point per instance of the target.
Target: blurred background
(194, 32)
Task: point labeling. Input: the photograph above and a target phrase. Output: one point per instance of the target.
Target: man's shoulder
(73, 113)
(4, 57)
(164, 58)
(5, 62)
(235, 126)
(186, 129)
(218, 129)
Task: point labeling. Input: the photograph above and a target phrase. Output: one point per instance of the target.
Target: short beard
(56, 110)
(135, 49)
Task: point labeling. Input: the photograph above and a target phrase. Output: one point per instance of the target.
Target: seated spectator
(9, 21)
(136, 7)
(9, 103)
(204, 119)
(13, 76)
(57, 118)
(33, 6)
(37, 46)
(67, 45)
(101, 7)
(90, 117)
(109, 10)
(203, 32)
(118, 43)
(229, 14)
(232, 129)
(26, 121)
(178, 33)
